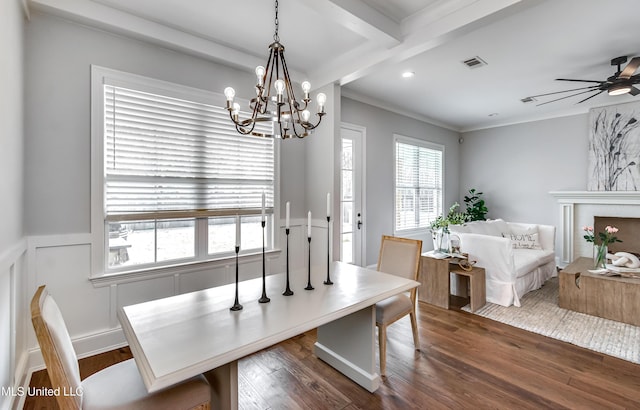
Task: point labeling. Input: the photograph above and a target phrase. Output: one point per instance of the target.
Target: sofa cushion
(523, 237)
(490, 227)
(526, 260)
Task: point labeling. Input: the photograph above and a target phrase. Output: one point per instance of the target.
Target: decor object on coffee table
(600, 243)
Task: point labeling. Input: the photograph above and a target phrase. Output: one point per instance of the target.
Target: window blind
(418, 185)
(168, 156)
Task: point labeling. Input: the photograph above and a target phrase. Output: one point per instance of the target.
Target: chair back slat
(57, 349)
(400, 256)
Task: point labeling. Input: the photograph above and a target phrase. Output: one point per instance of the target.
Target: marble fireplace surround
(578, 208)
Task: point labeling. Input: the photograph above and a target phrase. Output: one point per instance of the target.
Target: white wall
(516, 166)
(12, 243)
(380, 126)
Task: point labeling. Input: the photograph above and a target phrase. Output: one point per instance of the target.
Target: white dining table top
(178, 337)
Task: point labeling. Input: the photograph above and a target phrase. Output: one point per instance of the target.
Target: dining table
(175, 338)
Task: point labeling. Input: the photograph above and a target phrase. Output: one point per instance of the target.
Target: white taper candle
(238, 231)
(328, 204)
(263, 203)
(288, 215)
(309, 225)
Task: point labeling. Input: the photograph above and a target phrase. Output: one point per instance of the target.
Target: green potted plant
(476, 209)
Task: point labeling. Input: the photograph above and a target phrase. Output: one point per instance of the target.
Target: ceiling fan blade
(590, 97)
(634, 91)
(567, 96)
(580, 81)
(630, 68)
(593, 87)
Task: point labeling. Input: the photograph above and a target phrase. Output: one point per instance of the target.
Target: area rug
(540, 314)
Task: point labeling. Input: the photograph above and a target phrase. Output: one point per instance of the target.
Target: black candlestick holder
(328, 281)
(236, 304)
(287, 291)
(309, 287)
(264, 298)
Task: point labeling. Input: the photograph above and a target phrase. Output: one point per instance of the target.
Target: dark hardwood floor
(465, 361)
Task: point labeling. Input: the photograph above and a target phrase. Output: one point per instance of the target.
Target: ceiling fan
(622, 82)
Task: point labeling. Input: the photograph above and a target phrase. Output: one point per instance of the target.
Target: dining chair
(400, 257)
(117, 387)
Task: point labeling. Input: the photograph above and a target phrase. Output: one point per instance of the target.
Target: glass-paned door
(351, 207)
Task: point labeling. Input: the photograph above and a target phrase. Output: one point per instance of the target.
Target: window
(418, 183)
(174, 173)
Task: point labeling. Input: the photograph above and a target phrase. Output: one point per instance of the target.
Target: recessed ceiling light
(408, 74)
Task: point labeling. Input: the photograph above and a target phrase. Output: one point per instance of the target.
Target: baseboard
(84, 346)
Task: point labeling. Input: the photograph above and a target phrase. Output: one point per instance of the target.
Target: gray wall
(380, 126)
(13, 314)
(516, 166)
(11, 123)
(58, 58)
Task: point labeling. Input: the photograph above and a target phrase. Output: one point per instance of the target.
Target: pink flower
(587, 228)
(611, 229)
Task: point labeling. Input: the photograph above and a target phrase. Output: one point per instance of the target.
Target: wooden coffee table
(612, 297)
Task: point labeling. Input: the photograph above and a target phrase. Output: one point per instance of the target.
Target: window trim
(424, 144)
(99, 235)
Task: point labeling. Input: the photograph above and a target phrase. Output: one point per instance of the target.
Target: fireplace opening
(628, 233)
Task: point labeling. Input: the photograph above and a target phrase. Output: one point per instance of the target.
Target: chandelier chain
(277, 22)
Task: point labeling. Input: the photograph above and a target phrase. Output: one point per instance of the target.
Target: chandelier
(289, 116)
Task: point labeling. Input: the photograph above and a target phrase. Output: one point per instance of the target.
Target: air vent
(528, 100)
(474, 62)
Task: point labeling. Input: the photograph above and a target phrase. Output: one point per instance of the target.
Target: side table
(435, 287)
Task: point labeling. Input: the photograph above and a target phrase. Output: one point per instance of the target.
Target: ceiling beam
(360, 18)
(440, 22)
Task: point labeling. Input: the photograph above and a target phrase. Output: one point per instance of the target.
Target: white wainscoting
(577, 209)
(12, 319)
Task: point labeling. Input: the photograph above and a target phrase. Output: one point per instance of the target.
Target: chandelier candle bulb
(287, 215)
(260, 75)
(321, 99)
(309, 225)
(306, 87)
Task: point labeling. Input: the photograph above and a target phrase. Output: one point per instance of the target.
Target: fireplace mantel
(597, 197)
(570, 201)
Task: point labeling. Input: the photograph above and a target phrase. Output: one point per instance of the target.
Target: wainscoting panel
(202, 280)
(12, 323)
(65, 272)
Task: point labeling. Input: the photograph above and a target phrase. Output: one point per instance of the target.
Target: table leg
(224, 386)
(348, 344)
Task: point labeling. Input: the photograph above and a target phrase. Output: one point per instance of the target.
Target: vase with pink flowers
(601, 243)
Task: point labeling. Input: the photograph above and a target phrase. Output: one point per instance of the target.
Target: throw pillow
(524, 238)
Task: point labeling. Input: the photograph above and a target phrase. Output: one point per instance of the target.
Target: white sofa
(517, 257)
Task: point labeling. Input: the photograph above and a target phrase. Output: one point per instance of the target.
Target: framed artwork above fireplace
(614, 148)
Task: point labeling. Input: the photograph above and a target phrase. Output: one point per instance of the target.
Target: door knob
(359, 224)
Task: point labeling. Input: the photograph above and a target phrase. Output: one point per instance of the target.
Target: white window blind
(418, 185)
(167, 157)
